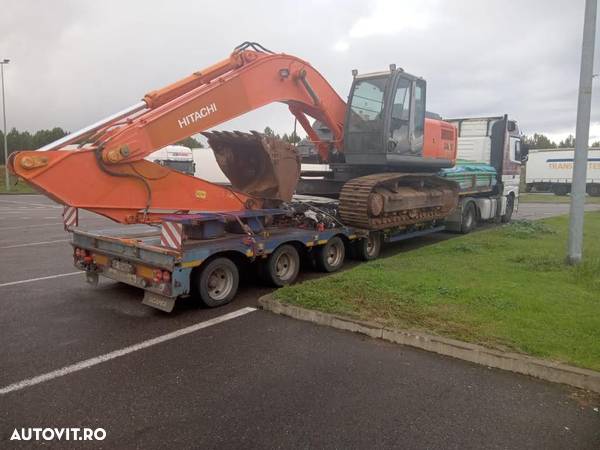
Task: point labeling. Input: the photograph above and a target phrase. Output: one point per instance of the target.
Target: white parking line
(45, 205)
(124, 351)
(30, 244)
(31, 226)
(60, 275)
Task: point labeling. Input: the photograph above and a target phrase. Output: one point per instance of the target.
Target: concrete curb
(513, 362)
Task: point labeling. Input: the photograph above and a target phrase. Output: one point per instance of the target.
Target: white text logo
(197, 115)
(59, 434)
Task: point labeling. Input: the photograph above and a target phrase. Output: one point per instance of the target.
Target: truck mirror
(512, 126)
(524, 152)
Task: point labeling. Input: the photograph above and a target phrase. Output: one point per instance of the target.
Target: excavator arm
(106, 172)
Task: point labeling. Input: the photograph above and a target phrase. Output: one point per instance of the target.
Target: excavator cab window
(417, 143)
(367, 104)
(400, 117)
(386, 118)
(366, 119)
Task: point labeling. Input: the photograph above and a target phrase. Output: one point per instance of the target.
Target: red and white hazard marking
(70, 217)
(171, 235)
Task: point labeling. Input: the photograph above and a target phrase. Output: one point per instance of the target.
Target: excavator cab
(385, 120)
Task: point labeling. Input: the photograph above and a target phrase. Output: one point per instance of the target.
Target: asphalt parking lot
(76, 356)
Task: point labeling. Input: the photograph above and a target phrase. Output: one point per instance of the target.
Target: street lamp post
(582, 134)
(6, 178)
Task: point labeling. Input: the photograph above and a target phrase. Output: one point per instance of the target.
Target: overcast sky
(74, 62)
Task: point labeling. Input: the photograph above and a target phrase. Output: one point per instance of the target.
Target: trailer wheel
(367, 249)
(282, 266)
(330, 256)
(510, 207)
(469, 219)
(217, 282)
(593, 190)
(560, 189)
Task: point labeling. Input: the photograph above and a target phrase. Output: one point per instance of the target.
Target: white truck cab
(176, 157)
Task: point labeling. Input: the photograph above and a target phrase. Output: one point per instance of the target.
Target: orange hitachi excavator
(382, 147)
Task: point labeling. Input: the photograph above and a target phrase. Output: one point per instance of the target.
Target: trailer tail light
(166, 276)
(157, 276)
(81, 253)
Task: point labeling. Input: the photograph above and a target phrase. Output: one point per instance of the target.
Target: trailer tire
(217, 282)
(282, 266)
(368, 249)
(330, 256)
(560, 189)
(468, 221)
(510, 207)
(593, 190)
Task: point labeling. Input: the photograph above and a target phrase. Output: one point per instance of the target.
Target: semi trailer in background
(551, 170)
(176, 157)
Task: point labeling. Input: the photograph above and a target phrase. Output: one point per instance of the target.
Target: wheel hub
(334, 255)
(220, 283)
(284, 266)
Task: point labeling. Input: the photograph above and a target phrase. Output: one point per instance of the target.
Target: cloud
(389, 17)
(341, 46)
(78, 61)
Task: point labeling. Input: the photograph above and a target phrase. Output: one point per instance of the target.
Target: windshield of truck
(181, 166)
(367, 104)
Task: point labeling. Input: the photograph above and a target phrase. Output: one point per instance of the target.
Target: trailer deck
(137, 254)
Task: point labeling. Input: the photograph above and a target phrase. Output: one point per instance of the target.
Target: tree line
(291, 138)
(538, 140)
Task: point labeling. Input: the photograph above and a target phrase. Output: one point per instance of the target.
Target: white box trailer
(551, 170)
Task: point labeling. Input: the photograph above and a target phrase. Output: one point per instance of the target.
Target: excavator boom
(106, 173)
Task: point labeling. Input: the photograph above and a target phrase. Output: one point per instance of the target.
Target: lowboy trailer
(202, 255)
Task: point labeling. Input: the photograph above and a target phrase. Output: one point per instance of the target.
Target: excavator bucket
(258, 165)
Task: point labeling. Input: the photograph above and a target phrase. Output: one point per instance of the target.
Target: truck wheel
(560, 189)
(469, 219)
(330, 257)
(282, 266)
(510, 207)
(217, 282)
(367, 249)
